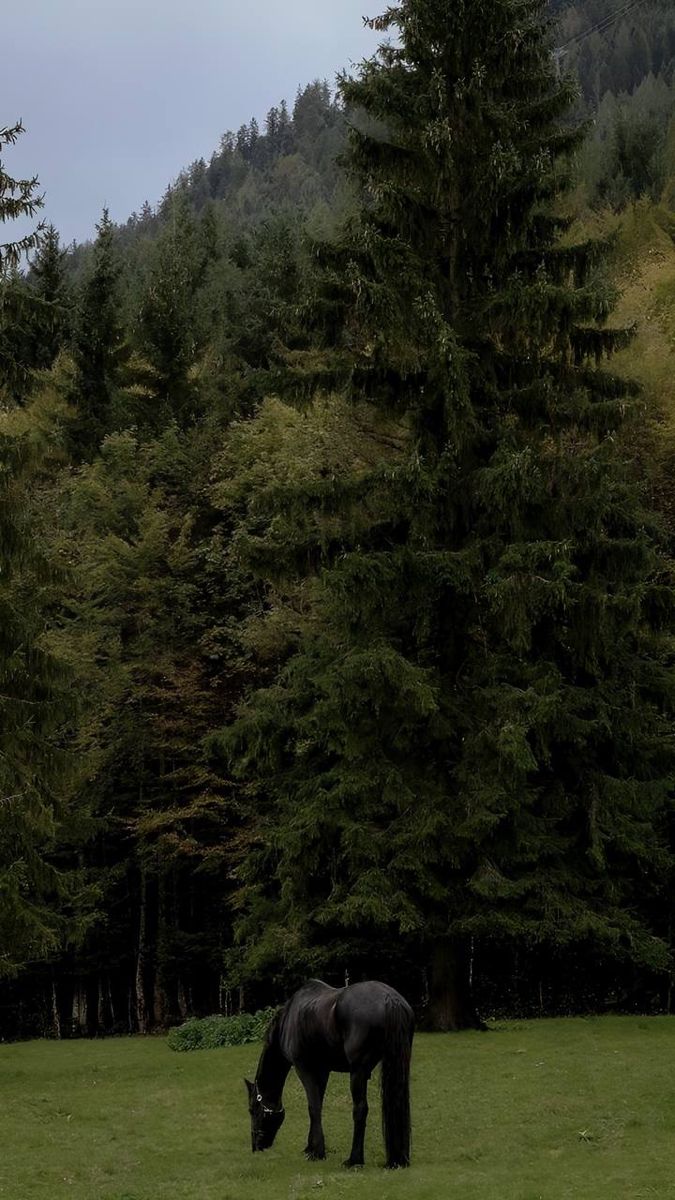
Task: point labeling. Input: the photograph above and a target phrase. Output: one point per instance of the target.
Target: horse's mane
(301, 1012)
(273, 1027)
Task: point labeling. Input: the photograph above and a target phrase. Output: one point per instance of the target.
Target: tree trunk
(451, 1005)
(105, 1014)
(56, 1018)
(182, 999)
(79, 1010)
(111, 1003)
(163, 1004)
(131, 1008)
(159, 1004)
(142, 1006)
(101, 1022)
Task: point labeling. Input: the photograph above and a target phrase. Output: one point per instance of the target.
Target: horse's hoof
(314, 1155)
(353, 1165)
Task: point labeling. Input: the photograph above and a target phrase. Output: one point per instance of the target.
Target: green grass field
(581, 1109)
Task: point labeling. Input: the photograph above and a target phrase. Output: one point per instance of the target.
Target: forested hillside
(334, 579)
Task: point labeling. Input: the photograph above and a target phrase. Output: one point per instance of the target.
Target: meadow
(542, 1110)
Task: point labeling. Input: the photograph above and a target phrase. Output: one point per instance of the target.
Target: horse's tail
(395, 1081)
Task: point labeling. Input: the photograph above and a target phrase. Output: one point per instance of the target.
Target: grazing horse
(351, 1029)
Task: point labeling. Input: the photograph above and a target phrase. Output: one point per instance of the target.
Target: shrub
(207, 1033)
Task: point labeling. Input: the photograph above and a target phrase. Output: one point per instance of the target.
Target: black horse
(323, 1029)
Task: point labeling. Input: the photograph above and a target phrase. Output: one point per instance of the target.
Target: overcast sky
(118, 95)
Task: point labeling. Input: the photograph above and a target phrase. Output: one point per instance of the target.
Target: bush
(207, 1033)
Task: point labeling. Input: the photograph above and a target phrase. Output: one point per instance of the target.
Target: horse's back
(341, 1025)
(372, 998)
(373, 1003)
(368, 1014)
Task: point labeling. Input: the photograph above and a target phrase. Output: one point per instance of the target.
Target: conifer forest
(337, 503)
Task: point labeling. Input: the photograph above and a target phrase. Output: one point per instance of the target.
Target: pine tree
(284, 130)
(166, 320)
(36, 696)
(33, 690)
(52, 313)
(147, 645)
(18, 199)
(99, 348)
(469, 743)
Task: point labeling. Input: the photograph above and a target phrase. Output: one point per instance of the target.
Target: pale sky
(117, 96)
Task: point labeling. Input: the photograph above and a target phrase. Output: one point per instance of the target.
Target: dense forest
(337, 511)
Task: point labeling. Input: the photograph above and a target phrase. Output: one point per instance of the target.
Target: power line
(599, 27)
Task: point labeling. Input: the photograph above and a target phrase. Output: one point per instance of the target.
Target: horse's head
(266, 1121)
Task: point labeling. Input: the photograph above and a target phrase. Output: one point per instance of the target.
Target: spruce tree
(166, 319)
(52, 313)
(99, 348)
(469, 743)
(31, 770)
(146, 619)
(19, 198)
(37, 700)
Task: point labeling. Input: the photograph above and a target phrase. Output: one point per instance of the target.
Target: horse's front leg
(315, 1089)
(359, 1086)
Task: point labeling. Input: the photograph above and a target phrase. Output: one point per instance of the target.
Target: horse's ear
(249, 1087)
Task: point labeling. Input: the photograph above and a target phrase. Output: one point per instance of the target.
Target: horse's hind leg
(315, 1089)
(359, 1086)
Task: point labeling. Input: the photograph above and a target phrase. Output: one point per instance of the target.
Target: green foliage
(208, 1033)
(342, 454)
(611, 48)
(626, 156)
(39, 903)
(99, 349)
(471, 739)
(623, 60)
(133, 623)
(18, 198)
(52, 313)
(167, 324)
(35, 319)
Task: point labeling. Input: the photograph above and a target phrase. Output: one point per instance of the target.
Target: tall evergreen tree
(31, 685)
(52, 313)
(469, 744)
(19, 198)
(36, 697)
(99, 347)
(167, 318)
(146, 620)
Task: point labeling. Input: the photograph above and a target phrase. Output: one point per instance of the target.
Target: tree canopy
(334, 580)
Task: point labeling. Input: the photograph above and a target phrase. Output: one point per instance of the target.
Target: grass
(581, 1109)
